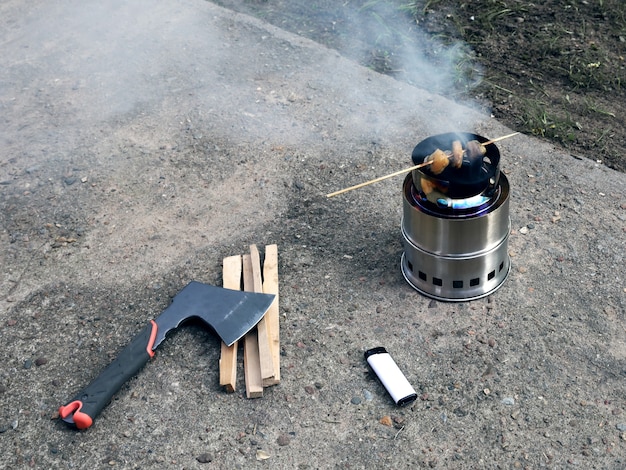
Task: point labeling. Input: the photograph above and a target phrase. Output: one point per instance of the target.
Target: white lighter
(390, 375)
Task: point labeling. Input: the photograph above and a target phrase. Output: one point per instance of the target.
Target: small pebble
(509, 401)
(28, 364)
(40, 361)
(204, 458)
(523, 230)
(262, 455)
(369, 396)
(283, 440)
(621, 427)
(355, 401)
(385, 421)
(399, 420)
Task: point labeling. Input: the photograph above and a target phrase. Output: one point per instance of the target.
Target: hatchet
(231, 313)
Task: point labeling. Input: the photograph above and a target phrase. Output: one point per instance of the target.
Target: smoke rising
(383, 36)
(112, 59)
(394, 43)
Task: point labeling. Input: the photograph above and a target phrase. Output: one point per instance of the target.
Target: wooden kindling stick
(251, 355)
(263, 328)
(270, 286)
(228, 359)
(406, 170)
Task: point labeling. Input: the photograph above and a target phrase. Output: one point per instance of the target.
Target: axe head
(231, 313)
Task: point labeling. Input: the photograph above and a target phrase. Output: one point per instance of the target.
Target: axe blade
(231, 313)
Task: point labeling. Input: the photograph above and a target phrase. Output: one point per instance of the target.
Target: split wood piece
(231, 273)
(270, 286)
(263, 327)
(251, 359)
(252, 371)
(406, 170)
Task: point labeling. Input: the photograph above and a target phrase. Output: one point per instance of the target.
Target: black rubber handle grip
(86, 405)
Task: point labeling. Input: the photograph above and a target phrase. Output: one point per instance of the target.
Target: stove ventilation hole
(455, 284)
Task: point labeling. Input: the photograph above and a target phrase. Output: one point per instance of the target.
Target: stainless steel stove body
(456, 224)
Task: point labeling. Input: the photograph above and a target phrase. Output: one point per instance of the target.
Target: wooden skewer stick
(357, 186)
(406, 170)
(493, 141)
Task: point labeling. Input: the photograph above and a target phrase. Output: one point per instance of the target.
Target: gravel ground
(136, 157)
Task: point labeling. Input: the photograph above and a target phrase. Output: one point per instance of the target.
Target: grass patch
(538, 118)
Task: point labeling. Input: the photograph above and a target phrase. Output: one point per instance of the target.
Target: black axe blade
(231, 313)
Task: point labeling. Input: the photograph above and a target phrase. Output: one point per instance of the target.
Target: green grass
(539, 118)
